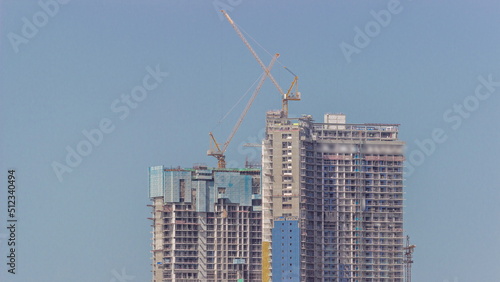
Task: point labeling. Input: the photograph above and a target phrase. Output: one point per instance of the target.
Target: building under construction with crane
(326, 204)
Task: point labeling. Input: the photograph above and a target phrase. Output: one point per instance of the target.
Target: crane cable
(269, 53)
(238, 102)
(248, 90)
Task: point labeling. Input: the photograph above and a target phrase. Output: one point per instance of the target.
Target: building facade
(332, 200)
(206, 224)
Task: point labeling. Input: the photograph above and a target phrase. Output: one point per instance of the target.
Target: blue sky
(424, 69)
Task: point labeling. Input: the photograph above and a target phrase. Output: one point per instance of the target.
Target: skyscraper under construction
(332, 200)
(206, 224)
(327, 205)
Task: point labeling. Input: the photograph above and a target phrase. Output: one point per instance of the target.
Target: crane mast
(409, 249)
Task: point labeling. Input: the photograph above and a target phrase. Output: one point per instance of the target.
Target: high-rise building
(332, 200)
(206, 224)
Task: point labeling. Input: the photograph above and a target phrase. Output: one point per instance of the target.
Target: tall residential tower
(332, 200)
(206, 224)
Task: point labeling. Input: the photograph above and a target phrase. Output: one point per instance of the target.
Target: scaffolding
(345, 182)
(220, 241)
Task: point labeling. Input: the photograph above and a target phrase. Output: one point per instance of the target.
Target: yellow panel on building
(266, 264)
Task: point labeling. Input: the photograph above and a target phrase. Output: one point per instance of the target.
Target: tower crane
(289, 95)
(218, 150)
(409, 249)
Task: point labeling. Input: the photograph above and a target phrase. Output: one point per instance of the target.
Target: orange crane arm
(220, 153)
(294, 82)
(215, 141)
(252, 51)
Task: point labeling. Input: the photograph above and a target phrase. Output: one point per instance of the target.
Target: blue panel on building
(210, 196)
(156, 181)
(174, 181)
(200, 186)
(234, 186)
(179, 186)
(286, 251)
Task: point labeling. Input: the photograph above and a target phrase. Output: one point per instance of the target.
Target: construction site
(206, 224)
(325, 203)
(342, 185)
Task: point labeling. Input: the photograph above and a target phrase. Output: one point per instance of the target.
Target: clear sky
(431, 66)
